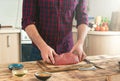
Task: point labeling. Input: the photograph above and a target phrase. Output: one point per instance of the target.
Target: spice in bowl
(43, 75)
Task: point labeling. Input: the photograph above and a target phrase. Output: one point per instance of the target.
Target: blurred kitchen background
(15, 45)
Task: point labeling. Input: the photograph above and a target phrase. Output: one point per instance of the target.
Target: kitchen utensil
(119, 65)
(115, 21)
(89, 62)
(87, 68)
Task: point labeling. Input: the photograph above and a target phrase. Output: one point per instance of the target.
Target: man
(49, 25)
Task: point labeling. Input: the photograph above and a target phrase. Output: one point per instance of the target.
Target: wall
(11, 10)
(103, 7)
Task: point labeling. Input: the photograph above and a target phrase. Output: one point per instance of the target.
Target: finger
(83, 56)
(51, 58)
(72, 50)
(80, 56)
(46, 59)
(75, 52)
(54, 53)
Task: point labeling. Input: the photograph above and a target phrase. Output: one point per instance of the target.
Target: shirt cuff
(26, 22)
(83, 20)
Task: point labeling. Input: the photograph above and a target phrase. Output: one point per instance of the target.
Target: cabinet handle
(8, 44)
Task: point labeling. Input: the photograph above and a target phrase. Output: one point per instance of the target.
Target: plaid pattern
(53, 19)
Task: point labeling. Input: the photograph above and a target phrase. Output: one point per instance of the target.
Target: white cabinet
(9, 46)
(74, 32)
(98, 43)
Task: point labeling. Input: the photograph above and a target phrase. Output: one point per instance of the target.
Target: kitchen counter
(109, 73)
(102, 42)
(104, 33)
(9, 30)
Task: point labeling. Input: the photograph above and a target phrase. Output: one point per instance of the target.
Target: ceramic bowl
(15, 66)
(43, 75)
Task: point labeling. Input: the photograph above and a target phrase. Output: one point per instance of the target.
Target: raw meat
(66, 59)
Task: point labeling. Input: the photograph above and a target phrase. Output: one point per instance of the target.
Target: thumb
(54, 53)
(72, 50)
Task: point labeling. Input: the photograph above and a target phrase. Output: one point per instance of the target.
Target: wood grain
(110, 73)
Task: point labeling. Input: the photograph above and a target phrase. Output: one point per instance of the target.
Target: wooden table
(109, 73)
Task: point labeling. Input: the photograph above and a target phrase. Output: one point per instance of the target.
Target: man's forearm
(34, 36)
(82, 33)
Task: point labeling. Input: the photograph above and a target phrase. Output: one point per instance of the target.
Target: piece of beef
(66, 59)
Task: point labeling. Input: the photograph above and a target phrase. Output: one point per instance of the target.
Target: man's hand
(48, 54)
(78, 49)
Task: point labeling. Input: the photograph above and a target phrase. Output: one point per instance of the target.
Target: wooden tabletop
(109, 73)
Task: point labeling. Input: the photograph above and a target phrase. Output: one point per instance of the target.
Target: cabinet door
(103, 44)
(9, 48)
(74, 37)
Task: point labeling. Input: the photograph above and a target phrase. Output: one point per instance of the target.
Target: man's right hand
(48, 54)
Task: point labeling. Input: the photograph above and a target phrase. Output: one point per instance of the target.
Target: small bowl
(15, 66)
(19, 72)
(43, 75)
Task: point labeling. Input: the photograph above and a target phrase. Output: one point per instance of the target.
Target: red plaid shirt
(53, 19)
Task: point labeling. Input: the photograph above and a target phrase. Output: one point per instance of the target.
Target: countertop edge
(100, 32)
(104, 33)
(9, 30)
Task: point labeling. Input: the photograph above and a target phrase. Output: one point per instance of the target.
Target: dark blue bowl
(15, 66)
(43, 75)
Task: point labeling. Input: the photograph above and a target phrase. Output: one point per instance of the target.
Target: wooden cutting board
(55, 68)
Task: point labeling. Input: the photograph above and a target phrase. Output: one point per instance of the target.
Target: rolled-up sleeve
(29, 12)
(81, 13)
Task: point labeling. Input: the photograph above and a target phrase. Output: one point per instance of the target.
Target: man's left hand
(78, 49)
